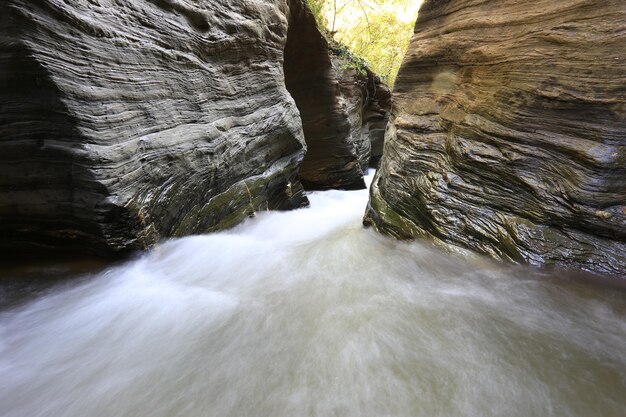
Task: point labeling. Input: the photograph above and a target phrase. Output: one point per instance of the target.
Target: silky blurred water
(306, 313)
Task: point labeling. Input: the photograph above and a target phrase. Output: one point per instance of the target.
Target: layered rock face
(376, 116)
(508, 133)
(125, 121)
(366, 102)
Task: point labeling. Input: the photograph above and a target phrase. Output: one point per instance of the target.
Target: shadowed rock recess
(342, 106)
(126, 121)
(508, 133)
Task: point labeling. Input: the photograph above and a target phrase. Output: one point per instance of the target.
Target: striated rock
(365, 100)
(376, 116)
(125, 121)
(351, 97)
(507, 135)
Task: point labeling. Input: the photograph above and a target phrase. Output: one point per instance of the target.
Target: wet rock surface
(507, 134)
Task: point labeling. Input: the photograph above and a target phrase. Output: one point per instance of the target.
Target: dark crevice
(330, 161)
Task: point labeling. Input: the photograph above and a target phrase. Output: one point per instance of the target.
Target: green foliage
(383, 42)
(372, 29)
(317, 6)
(351, 61)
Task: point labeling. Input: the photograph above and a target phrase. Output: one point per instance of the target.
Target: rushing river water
(305, 313)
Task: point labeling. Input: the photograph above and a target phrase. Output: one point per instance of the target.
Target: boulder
(508, 133)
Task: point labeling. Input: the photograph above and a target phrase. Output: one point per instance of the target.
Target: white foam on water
(305, 313)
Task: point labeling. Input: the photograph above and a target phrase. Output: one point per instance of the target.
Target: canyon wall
(126, 121)
(508, 133)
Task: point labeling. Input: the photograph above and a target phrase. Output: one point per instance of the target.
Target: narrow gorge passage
(331, 160)
(305, 313)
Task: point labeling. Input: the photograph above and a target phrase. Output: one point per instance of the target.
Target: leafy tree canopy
(377, 30)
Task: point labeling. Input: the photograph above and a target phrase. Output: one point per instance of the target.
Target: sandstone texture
(125, 121)
(508, 133)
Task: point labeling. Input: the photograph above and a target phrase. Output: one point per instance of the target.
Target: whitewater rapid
(305, 313)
